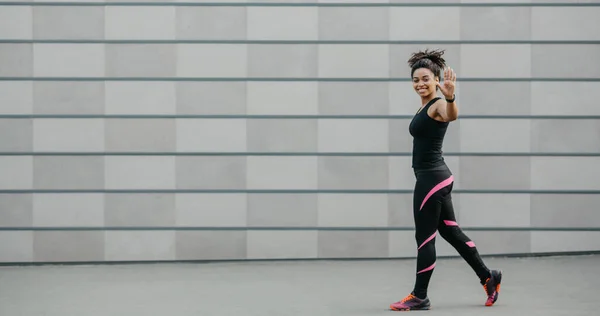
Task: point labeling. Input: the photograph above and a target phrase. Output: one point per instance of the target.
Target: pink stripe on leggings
(450, 223)
(436, 188)
(427, 240)
(471, 244)
(427, 269)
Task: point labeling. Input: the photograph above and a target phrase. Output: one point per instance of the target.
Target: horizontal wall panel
(289, 210)
(212, 60)
(575, 23)
(358, 135)
(476, 172)
(16, 135)
(140, 97)
(140, 135)
(16, 97)
(476, 97)
(555, 61)
(283, 98)
(224, 173)
(367, 210)
(495, 173)
(282, 172)
(406, 23)
(140, 245)
(354, 98)
(565, 136)
(77, 97)
(16, 210)
(68, 135)
(150, 22)
(16, 246)
(212, 135)
(210, 98)
(346, 61)
(211, 23)
(493, 23)
(571, 210)
(566, 173)
(141, 60)
(556, 98)
(354, 23)
(483, 135)
(16, 60)
(213, 210)
(345, 173)
(68, 210)
(67, 172)
(292, 23)
(354, 244)
(335, 1)
(282, 245)
(69, 246)
(69, 60)
(140, 172)
(283, 210)
(434, 2)
(282, 135)
(494, 210)
(521, 61)
(16, 22)
(283, 61)
(68, 22)
(507, 2)
(130, 210)
(564, 241)
(17, 173)
(211, 245)
(510, 61)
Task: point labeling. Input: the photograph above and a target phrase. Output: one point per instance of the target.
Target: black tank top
(428, 138)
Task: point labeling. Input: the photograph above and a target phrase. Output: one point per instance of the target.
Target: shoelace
(408, 298)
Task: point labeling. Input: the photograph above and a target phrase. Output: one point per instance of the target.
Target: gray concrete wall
(114, 147)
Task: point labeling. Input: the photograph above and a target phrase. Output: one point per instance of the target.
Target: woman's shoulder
(439, 102)
(435, 109)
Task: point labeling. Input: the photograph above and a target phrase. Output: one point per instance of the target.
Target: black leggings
(433, 213)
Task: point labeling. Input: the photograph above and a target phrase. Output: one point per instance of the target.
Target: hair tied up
(430, 59)
(435, 55)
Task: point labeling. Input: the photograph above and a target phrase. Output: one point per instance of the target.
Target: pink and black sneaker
(492, 287)
(411, 303)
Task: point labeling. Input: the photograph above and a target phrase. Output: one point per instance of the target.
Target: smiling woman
(432, 203)
(426, 70)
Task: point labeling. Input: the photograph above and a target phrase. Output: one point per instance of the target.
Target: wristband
(451, 100)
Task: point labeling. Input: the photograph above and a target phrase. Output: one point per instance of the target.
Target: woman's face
(424, 82)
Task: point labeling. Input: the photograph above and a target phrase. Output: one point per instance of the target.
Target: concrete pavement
(531, 286)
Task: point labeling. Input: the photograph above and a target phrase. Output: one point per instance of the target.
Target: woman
(432, 204)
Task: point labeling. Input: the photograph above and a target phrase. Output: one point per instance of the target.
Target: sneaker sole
(410, 309)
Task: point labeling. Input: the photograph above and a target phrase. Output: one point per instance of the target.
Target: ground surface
(531, 286)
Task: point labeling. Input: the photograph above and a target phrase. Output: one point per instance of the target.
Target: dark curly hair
(430, 59)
